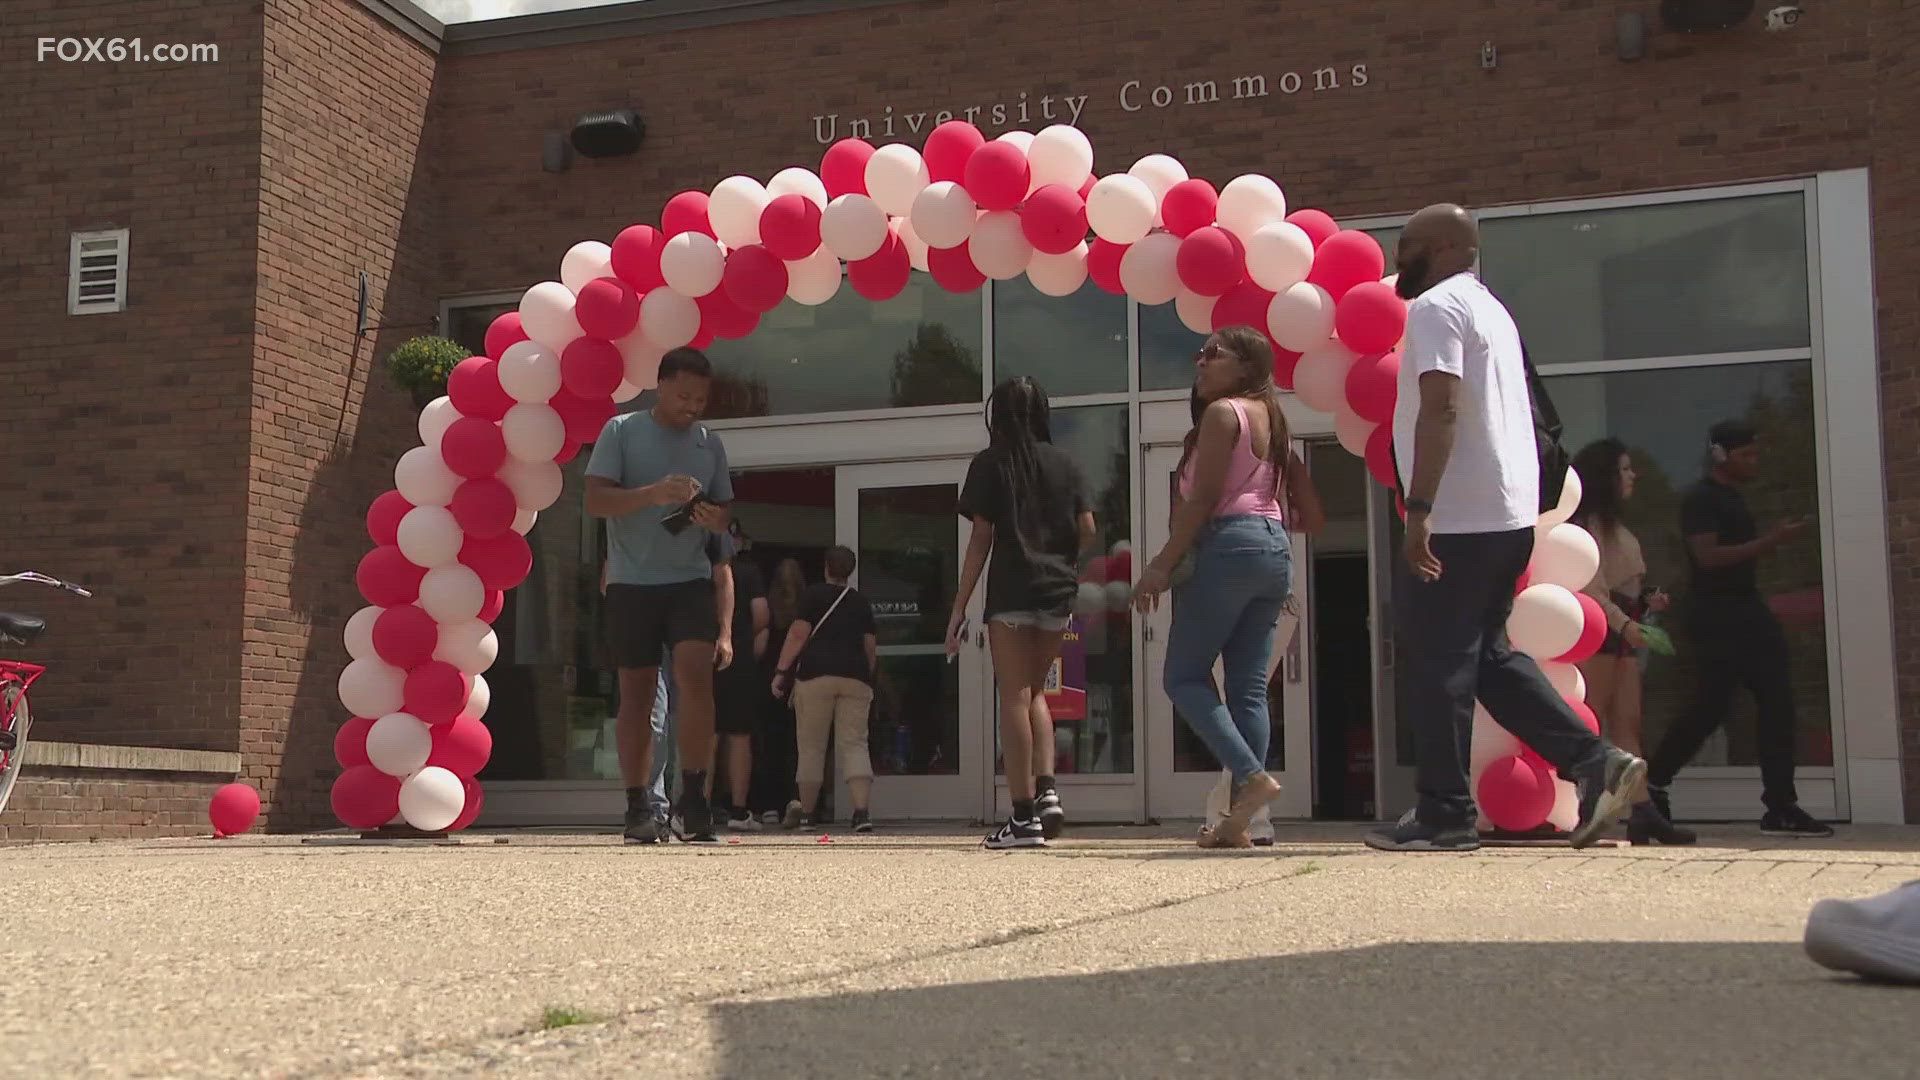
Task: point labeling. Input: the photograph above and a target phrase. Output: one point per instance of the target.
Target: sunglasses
(1213, 351)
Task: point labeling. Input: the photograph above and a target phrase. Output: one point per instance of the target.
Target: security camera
(1784, 17)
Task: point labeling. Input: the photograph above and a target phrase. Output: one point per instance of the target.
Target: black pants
(1454, 649)
(1736, 642)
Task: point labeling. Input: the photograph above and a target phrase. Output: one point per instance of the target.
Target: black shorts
(737, 694)
(643, 621)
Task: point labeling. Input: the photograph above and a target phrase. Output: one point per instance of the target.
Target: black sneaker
(1412, 834)
(1795, 822)
(1649, 826)
(1605, 790)
(862, 821)
(1052, 815)
(1658, 795)
(696, 823)
(642, 826)
(1016, 834)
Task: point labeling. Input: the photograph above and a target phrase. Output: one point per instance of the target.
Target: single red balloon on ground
(233, 809)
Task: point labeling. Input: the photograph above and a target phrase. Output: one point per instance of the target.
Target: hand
(956, 634)
(1154, 580)
(1658, 601)
(779, 687)
(674, 490)
(723, 653)
(711, 517)
(1631, 632)
(1787, 530)
(1419, 550)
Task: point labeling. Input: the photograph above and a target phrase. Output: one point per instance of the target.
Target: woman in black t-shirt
(832, 650)
(1029, 510)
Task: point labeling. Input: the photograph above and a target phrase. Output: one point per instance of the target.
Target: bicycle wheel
(13, 705)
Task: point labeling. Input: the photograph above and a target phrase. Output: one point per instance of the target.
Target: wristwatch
(1419, 506)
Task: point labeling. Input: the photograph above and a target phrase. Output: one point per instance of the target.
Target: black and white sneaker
(643, 827)
(1795, 822)
(1412, 834)
(1016, 834)
(696, 824)
(1605, 790)
(862, 821)
(741, 821)
(1052, 815)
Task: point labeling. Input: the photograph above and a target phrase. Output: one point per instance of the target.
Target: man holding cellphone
(645, 473)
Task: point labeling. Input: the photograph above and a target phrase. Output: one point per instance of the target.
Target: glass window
(1675, 279)
(467, 324)
(1166, 349)
(1071, 344)
(922, 347)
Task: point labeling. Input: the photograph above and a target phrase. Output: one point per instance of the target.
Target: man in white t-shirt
(1463, 440)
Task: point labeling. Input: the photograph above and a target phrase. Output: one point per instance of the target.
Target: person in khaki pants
(832, 646)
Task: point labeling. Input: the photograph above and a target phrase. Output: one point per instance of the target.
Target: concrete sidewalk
(1124, 953)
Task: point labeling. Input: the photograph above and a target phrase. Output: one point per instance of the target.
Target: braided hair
(1017, 422)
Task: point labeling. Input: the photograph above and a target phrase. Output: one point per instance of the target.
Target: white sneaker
(1878, 937)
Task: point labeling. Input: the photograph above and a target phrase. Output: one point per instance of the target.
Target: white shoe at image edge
(1878, 937)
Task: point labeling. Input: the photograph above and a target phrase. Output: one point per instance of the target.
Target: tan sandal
(1216, 838)
(1259, 790)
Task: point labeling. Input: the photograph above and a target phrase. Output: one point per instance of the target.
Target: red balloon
(1532, 757)
(1189, 205)
(233, 809)
(843, 168)
(1086, 187)
(997, 176)
(472, 808)
(1370, 318)
(405, 636)
(584, 416)
(1347, 258)
(483, 507)
(755, 279)
(1103, 266)
(790, 227)
(1054, 219)
(436, 691)
(723, 318)
(473, 447)
(505, 330)
(365, 798)
(1210, 261)
(502, 561)
(1380, 457)
(591, 367)
(1284, 363)
(1515, 795)
(1586, 714)
(636, 256)
(1525, 580)
(607, 308)
(685, 212)
(1120, 566)
(1373, 385)
(570, 449)
(1317, 224)
(1592, 635)
(474, 388)
(387, 579)
(496, 602)
(461, 747)
(1245, 304)
(949, 148)
(953, 269)
(383, 518)
(350, 742)
(884, 274)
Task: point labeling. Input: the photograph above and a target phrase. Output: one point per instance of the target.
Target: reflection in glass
(1072, 345)
(909, 552)
(1166, 349)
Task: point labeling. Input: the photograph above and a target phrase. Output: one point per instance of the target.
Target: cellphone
(677, 522)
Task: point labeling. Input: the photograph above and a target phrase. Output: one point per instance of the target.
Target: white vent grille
(97, 273)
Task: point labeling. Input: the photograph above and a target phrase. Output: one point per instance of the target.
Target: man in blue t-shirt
(660, 479)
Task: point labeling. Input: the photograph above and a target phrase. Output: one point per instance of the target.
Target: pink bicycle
(16, 676)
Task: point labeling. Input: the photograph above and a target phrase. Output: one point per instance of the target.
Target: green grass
(1310, 868)
(556, 1017)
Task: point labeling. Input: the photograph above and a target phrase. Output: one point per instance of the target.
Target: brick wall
(84, 804)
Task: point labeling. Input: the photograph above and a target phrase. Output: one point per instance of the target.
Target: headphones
(1718, 453)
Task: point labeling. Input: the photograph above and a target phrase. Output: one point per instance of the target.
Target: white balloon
(1120, 547)
(359, 633)
(999, 245)
(1491, 742)
(533, 432)
(372, 687)
(797, 181)
(423, 478)
(478, 698)
(429, 535)
(523, 520)
(1159, 172)
(1320, 378)
(583, 262)
(1249, 203)
(692, 263)
(1301, 317)
(1021, 139)
(1149, 270)
(1195, 311)
(536, 485)
(1547, 621)
(813, 280)
(470, 646)
(1350, 429)
(546, 314)
(1566, 678)
(435, 419)
(895, 175)
(854, 227)
(451, 594)
(733, 209)
(639, 359)
(1566, 806)
(530, 372)
(625, 392)
(1569, 502)
(1119, 595)
(432, 799)
(916, 247)
(1059, 275)
(1089, 599)
(1121, 209)
(1279, 255)
(669, 319)
(399, 743)
(1060, 154)
(1567, 556)
(943, 214)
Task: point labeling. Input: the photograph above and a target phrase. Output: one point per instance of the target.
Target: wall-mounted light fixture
(609, 134)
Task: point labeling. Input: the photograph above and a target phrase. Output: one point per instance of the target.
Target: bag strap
(1542, 400)
(815, 628)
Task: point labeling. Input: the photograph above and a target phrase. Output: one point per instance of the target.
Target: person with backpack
(828, 663)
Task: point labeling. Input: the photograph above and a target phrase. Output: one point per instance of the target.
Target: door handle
(1293, 657)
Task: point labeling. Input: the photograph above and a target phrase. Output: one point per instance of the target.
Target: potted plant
(421, 365)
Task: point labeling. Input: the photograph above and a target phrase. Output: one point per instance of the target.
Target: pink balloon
(365, 798)
(383, 518)
(471, 810)
(948, 148)
(1370, 318)
(1532, 757)
(350, 742)
(1120, 566)
(1245, 304)
(1346, 259)
(1592, 635)
(1189, 205)
(405, 636)
(1054, 219)
(474, 388)
(473, 447)
(461, 747)
(1373, 384)
(998, 175)
(636, 257)
(1317, 224)
(755, 279)
(723, 318)
(1284, 363)
(1586, 714)
(685, 212)
(1211, 261)
(1514, 795)
(505, 330)
(1103, 265)
(495, 603)
(952, 268)
(387, 579)
(584, 416)
(483, 507)
(591, 367)
(607, 308)
(233, 809)
(436, 691)
(1380, 457)
(884, 274)
(843, 168)
(790, 227)
(1526, 579)
(502, 561)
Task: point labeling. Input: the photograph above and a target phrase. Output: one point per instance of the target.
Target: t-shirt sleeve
(862, 614)
(812, 606)
(1077, 487)
(980, 495)
(1436, 338)
(606, 461)
(1700, 514)
(722, 488)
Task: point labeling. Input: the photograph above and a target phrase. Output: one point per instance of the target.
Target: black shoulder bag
(1547, 431)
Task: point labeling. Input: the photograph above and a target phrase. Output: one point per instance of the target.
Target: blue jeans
(663, 747)
(1241, 575)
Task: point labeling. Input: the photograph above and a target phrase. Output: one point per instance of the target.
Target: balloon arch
(451, 536)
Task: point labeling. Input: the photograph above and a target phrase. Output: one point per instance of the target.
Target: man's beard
(1413, 278)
